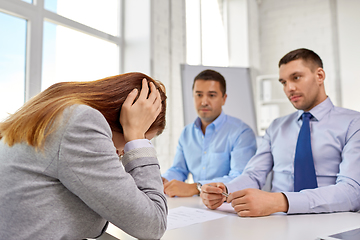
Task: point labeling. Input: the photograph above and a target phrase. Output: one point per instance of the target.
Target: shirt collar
(320, 110)
(217, 123)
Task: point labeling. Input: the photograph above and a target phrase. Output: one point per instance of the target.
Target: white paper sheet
(226, 207)
(185, 216)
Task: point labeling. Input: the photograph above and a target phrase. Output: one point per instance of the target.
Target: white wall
(154, 43)
(137, 36)
(237, 31)
(168, 52)
(329, 27)
(254, 46)
(285, 25)
(253, 36)
(349, 49)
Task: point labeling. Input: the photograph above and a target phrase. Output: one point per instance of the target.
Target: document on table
(185, 216)
(226, 207)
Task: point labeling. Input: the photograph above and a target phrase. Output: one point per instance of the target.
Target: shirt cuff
(202, 182)
(298, 202)
(138, 143)
(232, 187)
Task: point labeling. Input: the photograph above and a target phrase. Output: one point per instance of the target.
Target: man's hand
(211, 194)
(164, 180)
(255, 203)
(136, 118)
(180, 189)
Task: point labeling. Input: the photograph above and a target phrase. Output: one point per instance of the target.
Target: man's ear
(224, 99)
(320, 75)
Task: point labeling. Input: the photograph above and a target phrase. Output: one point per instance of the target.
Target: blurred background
(46, 41)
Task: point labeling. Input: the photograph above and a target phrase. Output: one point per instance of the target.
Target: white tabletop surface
(276, 226)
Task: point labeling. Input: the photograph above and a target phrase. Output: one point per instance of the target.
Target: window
(12, 63)
(193, 32)
(206, 36)
(101, 15)
(65, 40)
(70, 55)
(214, 39)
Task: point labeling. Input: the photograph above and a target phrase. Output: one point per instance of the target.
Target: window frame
(36, 14)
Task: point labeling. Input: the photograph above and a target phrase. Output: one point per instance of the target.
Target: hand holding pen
(225, 194)
(213, 194)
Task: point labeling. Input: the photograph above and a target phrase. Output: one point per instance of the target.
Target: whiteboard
(239, 102)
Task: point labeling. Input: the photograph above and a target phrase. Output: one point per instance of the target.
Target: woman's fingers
(130, 98)
(137, 117)
(144, 90)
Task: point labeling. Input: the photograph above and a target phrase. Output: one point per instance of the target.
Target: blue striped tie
(304, 170)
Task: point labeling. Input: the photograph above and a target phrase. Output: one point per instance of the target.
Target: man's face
(302, 86)
(208, 99)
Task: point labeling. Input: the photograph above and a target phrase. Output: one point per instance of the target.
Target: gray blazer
(72, 188)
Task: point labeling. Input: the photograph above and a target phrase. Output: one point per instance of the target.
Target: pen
(225, 194)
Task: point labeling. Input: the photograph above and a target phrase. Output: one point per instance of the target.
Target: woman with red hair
(60, 172)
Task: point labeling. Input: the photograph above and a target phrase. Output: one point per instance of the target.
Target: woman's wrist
(130, 136)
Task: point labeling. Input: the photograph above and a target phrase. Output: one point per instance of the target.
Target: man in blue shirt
(216, 147)
(335, 144)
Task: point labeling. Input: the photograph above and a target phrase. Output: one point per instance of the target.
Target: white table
(276, 226)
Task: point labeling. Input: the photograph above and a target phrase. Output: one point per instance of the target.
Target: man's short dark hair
(211, 75)
(308, 56)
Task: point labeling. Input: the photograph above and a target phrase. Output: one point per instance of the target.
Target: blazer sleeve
(128, 194)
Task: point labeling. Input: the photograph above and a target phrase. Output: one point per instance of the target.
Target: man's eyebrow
(212, 92)
(294, 73)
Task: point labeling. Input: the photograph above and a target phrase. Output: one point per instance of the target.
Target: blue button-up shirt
(335, 143)
(219, 155)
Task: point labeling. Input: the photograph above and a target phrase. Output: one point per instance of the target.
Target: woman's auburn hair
(38, 117)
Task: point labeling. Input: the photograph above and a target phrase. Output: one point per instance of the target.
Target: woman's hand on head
(137, 117)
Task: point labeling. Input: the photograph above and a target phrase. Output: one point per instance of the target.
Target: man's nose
(290, 87)
(204, 101)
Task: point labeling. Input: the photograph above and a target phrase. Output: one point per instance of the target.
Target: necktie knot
(306, 116)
